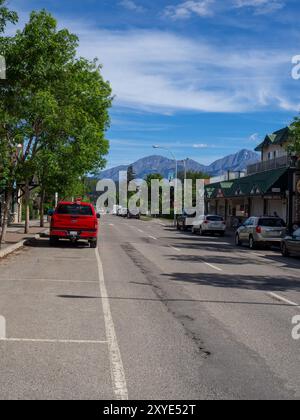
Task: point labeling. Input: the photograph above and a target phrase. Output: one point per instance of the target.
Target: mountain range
(164, 166)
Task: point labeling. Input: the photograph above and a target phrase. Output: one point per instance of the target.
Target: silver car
(264, 231)
(209, 224)
(290, 245)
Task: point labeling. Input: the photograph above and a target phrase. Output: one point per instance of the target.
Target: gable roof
(278, 138)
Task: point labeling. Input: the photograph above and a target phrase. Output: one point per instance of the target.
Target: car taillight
(224, 223)
(206, 222)
(258, 229)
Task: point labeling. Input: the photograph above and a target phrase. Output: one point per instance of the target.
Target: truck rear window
(272, 222)
(75, 210)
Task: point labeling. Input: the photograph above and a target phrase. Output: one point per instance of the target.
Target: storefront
(264, 193)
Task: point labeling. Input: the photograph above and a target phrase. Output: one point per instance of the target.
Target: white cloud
(188, 8)
(131, 5)
(164, 72)
(261, 6)
(254, 137)
(200, 146)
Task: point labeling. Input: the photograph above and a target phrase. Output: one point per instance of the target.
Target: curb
(10, 249)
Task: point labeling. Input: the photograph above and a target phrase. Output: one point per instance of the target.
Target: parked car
(74, 221)
(185, 221)
(264, 231)
(290, 245)
(209, 224)
(133, 216)
(123, 212)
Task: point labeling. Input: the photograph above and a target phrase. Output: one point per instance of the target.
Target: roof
(277, 138)
(253, 185)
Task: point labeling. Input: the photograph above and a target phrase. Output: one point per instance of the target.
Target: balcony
(268, 165)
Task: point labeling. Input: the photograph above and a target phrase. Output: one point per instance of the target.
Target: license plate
(73, 233)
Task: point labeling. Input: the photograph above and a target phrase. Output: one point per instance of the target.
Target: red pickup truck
(74, 221)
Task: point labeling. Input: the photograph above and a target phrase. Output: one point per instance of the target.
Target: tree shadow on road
(246, 282)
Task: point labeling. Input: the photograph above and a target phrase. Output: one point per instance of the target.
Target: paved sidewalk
(15, 233)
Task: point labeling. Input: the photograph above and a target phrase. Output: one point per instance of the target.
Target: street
(153, 313)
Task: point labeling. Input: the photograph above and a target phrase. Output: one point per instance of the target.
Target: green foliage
(55, 105)
(294, 145)
(6, 15)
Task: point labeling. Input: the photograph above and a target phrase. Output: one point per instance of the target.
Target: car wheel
(178, 226)
(193, 230)
(284, 250)
(200, 231)
(94, 244)
(252, 243)
(222, 234)
(237, 240)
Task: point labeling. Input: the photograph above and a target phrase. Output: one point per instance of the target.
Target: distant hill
(164, 166)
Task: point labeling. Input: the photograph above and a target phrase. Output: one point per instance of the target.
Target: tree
(53, 104)
(6, 15)
(294, 143)
(130, 174)
(149, 179)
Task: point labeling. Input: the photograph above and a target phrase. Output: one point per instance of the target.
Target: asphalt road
(153, 314)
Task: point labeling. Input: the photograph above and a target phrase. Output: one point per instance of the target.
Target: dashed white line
(282, 299)
(153, 237)
(141, 231)
(2, 327)
(176, 249)
(116, 364)
(212, 266)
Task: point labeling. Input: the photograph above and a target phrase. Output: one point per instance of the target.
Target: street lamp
(176, 174)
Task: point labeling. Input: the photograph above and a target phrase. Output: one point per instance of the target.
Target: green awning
(258, 184)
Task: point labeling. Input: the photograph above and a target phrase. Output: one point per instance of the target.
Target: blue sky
(204, 77)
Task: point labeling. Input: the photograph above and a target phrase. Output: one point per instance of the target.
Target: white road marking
(213, 266)
(282, 299)
(176, 249)
(2, 327)
(141, 231)
(38, 340)
(153, 237)
(116, 364)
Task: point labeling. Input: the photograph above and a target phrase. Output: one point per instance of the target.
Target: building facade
(270, 187)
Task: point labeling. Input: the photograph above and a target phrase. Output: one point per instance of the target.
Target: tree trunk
(27, 209)
(42, 198)
(7, 204)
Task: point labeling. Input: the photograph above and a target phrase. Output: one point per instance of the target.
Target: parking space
(55, 343)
